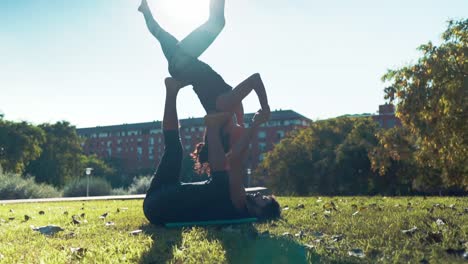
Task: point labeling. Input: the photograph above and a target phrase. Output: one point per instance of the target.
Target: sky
(94, 63)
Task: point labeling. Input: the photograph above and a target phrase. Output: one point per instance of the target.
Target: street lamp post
(88, 172)
(249, 174)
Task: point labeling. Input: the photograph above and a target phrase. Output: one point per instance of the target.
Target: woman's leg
(167, 41)
(216, 155)
(202, 37)
(232, 101)
(168, 171)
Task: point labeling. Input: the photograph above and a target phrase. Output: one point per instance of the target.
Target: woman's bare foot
(143, 6)
(217, 120)
(173, 86)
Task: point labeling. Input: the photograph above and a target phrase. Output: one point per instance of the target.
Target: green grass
(376, 230)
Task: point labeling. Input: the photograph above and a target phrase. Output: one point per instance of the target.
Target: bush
(14, 186)
(119, 191)
(140, 185)
(97, 187)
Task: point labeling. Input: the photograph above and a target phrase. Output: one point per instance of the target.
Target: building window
(151, 141)
(151, 157)
(261, 157)
(261, 146)
(155, 131)
(102, 135)
(151, 150)
(280, 134)
(201, 129)
(262, 134)
(140, 150)
(119, 150)
(187, 147)
(109, 152)
(188, 137)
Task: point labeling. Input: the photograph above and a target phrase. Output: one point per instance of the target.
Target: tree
(329, 157)
(431, 98)
(20, 143)
(100, 167)
(61, 157)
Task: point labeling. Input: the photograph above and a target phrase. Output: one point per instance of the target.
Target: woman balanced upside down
(214, 93)
(223, 195)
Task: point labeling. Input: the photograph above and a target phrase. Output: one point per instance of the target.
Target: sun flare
(185, 11)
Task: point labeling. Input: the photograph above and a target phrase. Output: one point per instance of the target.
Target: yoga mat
(214, 222)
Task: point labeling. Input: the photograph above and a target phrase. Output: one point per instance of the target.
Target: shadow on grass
(245, 245)
(164, 241)
(242, 244)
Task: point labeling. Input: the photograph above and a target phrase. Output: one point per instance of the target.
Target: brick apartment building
(140, 146)
(386, 116)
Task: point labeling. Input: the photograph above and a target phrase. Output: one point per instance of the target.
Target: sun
(185, 12)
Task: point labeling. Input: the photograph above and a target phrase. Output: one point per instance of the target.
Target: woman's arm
(236, 160)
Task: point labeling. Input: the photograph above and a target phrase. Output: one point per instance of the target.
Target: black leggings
(168, 171)
(207, 83)
(169, 200)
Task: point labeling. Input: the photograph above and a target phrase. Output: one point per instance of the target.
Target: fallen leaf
(309, 246)
(452, 206)
(41, 212)
(410, 231)
(48, 230)
(329, 206)
(103, 216)
(355, 213)
(285, 208)
(287, 234)
(11, 218)
(79, 252)
(440, 222)
(300, 206)
(70, 235)
(83, 215)
(75, 221)
(356, 253)
(337, 238)
(27, 217)
(314, 214)
(300, 234)
(136, 232)
(110, 224)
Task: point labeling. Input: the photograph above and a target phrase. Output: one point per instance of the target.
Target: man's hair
(200, 154)
(271, 210)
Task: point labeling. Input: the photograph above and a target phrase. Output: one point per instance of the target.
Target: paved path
(98, 198)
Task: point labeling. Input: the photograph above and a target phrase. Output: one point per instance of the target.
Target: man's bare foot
(143, 6)
(173, 86)
(217, 120)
